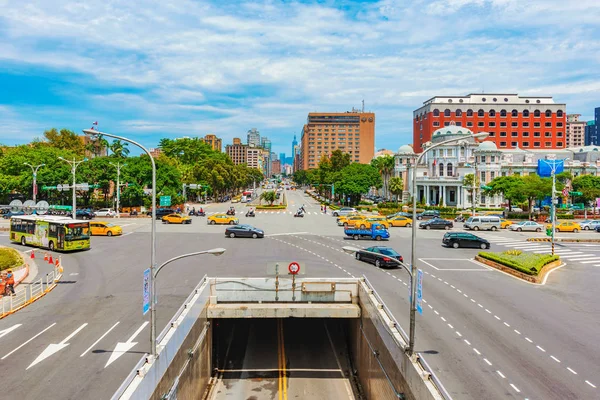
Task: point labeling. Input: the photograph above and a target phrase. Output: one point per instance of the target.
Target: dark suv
(84, 214)
(464, 239)
(161, 212)
(428, 214)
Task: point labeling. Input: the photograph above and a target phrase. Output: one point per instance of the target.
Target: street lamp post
(96, 133)
(118, 166)
(216, 252)
(413, 253)
(34, 169)
(554, 199)
(74, 164)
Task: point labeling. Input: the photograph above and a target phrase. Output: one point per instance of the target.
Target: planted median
(528, 266)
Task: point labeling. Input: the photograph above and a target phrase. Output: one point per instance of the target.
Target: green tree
(339, 160)
(396, 186)
(589, 186)
(511, 188)
(188, 150)
(119, 148)
(65, 140)
(535, 188)
(356, 179)
(470, 182)
(269, 196)
(385, 165)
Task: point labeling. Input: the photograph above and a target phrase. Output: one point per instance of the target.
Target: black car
(598, 229)
(464, 239)
(84, 214)
(436, 223)
(161, 212)
(244, 231)
(12, 214)
(428, 214)
(381, 256)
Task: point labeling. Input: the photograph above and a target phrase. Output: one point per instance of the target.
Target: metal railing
(27, 293)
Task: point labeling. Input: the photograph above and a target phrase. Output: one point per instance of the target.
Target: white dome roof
(487, 146)
(406, 149)
(453, 130)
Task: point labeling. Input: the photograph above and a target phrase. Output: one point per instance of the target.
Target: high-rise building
(213, 141)
(575, 131)
(282, 158)
(274, 156)
(237, 151)
(253, 157)
(592, 130)
(294, 144)
(513, 121)
(275, 167)
(351, 132)
(253, 137)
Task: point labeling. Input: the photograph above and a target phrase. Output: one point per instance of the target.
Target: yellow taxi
(176, 219)
(566, 226)
(343, 218)
(400, 221)
(98, 228)
(222, 219)
(504, 223)
(236, 199)
(367, 222)
(351, 220)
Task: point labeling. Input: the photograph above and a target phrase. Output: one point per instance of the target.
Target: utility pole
(34, 169)
(74, 164)
(118, 166)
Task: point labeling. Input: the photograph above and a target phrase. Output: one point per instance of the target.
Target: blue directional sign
(420, 292)
(146, 292)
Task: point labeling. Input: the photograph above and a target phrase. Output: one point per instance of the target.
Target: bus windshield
(76, 232)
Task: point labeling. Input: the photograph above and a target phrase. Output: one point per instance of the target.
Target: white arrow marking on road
(101, 337)
(121, 347)
(53, 348)
(9, 330)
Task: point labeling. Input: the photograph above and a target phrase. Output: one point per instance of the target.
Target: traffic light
(548, 231)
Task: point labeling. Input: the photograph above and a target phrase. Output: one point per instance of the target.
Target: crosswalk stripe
(589, 262)
(584, 258)
(576, 255)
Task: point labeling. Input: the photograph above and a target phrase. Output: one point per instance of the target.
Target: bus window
(53, 230)
(77, 232)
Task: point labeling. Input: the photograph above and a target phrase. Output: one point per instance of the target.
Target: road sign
(165, 201)
(193, 186)
(28, 206)
(294, 268)
(49, 187)
(280, 267)
(146, 292)
(15, 205)
(565, 192)
(420, 291)
(42, 207)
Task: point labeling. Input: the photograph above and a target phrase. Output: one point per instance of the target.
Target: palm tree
(269, 196)
(119, 148)
(385, 165)
(396, 186)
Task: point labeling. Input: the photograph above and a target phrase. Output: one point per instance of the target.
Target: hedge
(275, 207)
(528, 263)
(10, 258)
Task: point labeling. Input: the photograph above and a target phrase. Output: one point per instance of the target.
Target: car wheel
(557, 230)
(447, 227)
(575, 230)
(212, 222)
(476, 228)
(232, 235)
(357, 256)
(345, 224)
(362, 226)
(419, 217)
(519, 229)
(493, 228)
(254, 236)
(335, 214)
(23, 240)
(378, 263)
(231, 222)
(428, 227)
(483, 246)
(455, 245)
(586, 228)
(356, 237)
(51, 246)
(166, 221)
(378, 238)
(408, 225)
(109, 233)
(538, 230)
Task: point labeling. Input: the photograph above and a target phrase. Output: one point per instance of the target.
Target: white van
(487, 222)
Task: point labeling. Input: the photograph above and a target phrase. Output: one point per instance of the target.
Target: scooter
(200, 214)
(299, 214)
(250, 214)
(460, 218)
(230, 212)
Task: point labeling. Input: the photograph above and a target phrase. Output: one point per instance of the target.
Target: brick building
(513, 121)
(213, 141)
(237, 151)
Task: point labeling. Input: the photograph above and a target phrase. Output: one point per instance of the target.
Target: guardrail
(26, 294)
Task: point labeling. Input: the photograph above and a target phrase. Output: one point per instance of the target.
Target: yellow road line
(283, 364)
(280, 391)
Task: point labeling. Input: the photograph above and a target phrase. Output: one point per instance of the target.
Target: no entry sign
(294, 268)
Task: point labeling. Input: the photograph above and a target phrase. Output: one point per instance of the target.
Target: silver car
(589, 224)
(529, 226)
(344, 211)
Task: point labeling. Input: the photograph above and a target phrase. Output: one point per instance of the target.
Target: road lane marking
(529, 340)
(17, 348)
(123, 347)
(517, 332)
(53, 348)
(555, 359)
(101, 337)
(476, 351)
(573, 372)
(516, 388)
(591, 384)
(486, 360)
(540, 348)
(501, 374)
(6, 331)
(467, 342)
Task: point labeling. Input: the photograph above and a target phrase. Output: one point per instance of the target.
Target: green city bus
(51, 232)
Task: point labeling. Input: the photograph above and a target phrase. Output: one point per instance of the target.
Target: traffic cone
(32, 254)
(50, 260)
(45, 256)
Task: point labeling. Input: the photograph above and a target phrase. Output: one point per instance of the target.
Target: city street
(486, 334)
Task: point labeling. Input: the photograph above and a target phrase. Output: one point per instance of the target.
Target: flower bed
(273, 207)
(527, 263)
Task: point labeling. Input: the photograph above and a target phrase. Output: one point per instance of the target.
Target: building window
(536, 144)
(458, 112)
(436, 123)
(525, 144)
(548, 144)
(548, 134)
(502, 144)
(421, 127)
(449, 169)
(492, 124)
(469, 113)
(537, 114)
(514, 134)
(483, 180)
(502, 113)
(514, 124)
(548, 124)
(441, 169)
(559, 144)
(458, 123)
(559, 113)
(503, 124)
(515, 113)
(559, 124)
(525, 134)
(548, 114)
(492, 113)
(482, 158)
(559, 134)
(492, 133)
(525, 124)
(447, 123)
(502, 134)
(446, 112)
(514, 144)
(526, 113)
(492, 175)
(481, 124)
(492, 159)
(469, 124)
(536, 134)
(436, 112)
(480, 113)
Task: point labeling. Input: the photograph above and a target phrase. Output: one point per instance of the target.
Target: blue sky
(177, 68)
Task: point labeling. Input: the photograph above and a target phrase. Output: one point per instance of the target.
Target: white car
(105, 212)
(589, 224)
(529, 226)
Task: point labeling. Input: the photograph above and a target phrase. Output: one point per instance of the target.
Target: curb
(564, 240)
(538, 279)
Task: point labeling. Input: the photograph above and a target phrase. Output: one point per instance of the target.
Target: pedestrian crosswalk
(269, 212)
(574, 252)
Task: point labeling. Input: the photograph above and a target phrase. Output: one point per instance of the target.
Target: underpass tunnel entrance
(282, 358)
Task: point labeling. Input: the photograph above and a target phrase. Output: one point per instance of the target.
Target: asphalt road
(486, 334)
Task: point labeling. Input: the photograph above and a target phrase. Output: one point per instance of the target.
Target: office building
(592, 130)
(253, 137)
(282, 158)
(155, 152)
(237, 151)
(513, 121)
(294, 144)
(254, 157)
(213, 141)
(575, 130)
(275, 167)
(352, 132)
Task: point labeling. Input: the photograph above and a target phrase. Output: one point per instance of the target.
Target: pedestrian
(10, 282)
(325, 208)
(321, 207)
